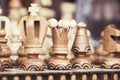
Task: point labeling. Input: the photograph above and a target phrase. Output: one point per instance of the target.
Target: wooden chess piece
(71, 36)
(15, 12)
(15, 43)
(111, 41)
(100, 53)
(81, 49)
(33, 29)
(67, 10)
(4, 36)
(46, 11)
(21, 54)
(58, 60)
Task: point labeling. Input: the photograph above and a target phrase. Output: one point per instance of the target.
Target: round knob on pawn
(64, 23)
(2, 33)
(52, 23)
(73, 23)
(60, 23)
(82, 24)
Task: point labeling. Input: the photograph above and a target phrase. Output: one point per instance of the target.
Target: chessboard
(95, 73)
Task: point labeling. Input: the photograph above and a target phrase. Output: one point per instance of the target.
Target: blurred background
(95, 13)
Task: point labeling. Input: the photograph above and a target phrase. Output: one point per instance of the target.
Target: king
(33, 31)
(60, 30)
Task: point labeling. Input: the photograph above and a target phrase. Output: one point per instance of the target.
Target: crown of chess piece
(58, 60)
(111, 44)
(33, 30)
(4, 36)
(81, 49)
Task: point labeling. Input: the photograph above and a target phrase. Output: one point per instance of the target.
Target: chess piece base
(111, 63)
(33, 63)
(1, 66)
(6, 62)
(59, 64)
(81, 63)
(19, 60)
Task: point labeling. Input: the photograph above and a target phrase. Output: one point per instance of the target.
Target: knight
(111, 44)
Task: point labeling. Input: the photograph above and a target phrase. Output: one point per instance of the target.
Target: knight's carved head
(111, 39)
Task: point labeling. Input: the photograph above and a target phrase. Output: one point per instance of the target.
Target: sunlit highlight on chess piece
(33, 30)
(58, 60)
(81, 49)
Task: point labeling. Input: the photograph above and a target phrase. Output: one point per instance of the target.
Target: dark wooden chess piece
(81, 49)
(4, 36)
(111, 44)
(33, 29)
(100, 53)
(21, 55)
(58, 60)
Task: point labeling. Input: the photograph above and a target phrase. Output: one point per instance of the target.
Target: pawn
(4, 36)
(81, 49)
(58, 60)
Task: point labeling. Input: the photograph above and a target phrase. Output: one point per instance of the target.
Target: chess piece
(111, 36)
(58, 60)
(4, 36)
(15, 12)
(33, 30)
(21, 55)
(15, 43)
(81, 49)
(67, 10)
(100, 53)
(46, 11)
